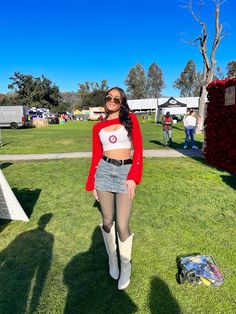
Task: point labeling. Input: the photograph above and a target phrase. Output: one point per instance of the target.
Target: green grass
(76, 136)
(182, 206)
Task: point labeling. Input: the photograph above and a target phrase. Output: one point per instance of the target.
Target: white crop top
(117, 139)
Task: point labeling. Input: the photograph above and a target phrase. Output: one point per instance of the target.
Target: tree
(189, 82)
(155, 82)
(136, 82)
(219, 75)
(209, 61)
(70, 100)
(231, 69)
(92, 94)
(8, 99)
(38, 92)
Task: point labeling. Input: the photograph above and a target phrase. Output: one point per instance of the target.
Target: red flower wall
(220, 127)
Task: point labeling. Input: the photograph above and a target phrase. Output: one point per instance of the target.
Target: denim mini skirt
(111, 178)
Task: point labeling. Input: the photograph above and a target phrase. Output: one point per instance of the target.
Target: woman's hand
(131, 186)
(95, 194)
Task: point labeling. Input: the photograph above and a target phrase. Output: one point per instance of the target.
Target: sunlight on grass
(76, 136)
(182, 206)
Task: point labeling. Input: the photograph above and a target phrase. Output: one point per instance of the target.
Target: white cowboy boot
(125, 249)
(110, 243)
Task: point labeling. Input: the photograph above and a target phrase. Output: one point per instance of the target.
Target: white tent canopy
(143, 104)
(191, 102)
(153, 103)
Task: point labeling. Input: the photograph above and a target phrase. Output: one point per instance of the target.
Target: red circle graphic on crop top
(112, 139)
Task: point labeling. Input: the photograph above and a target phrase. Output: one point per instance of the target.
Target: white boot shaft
(125, 249)
(110, 244)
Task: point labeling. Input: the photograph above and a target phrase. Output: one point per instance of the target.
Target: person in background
(185, 116)
(113, 177)
(190, 125)
(167, 122)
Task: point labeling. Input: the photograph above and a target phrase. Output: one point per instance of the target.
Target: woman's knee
(107, 224)
(123, 232)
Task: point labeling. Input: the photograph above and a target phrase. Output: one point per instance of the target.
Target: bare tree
(209, 61)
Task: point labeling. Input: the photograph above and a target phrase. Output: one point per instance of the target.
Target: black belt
(117, 162)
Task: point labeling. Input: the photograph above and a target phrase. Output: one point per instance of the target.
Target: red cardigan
(135, 172)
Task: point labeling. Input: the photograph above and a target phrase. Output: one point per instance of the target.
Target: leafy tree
(8, 99)
(231, 69)
(189, 82)
(92, 94)
(38, 92)
(70, 100)
(155, 82)
(136, 82)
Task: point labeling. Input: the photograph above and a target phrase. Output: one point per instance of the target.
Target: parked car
(13, 116)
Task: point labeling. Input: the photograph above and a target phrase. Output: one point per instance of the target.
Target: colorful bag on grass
(199, 269)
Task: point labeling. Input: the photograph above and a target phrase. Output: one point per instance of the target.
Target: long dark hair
(124, 111)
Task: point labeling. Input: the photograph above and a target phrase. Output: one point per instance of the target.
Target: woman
(190, 125)
(113, 177)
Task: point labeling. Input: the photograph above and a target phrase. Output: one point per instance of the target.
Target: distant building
(175, 105)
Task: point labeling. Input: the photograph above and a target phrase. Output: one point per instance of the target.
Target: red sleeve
(97, 153)
(136, 169)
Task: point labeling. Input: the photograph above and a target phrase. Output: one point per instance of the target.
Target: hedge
(220, 125)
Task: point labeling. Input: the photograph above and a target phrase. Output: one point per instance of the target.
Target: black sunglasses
(116, 99)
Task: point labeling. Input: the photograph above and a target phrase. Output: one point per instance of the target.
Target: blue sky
(73, 41)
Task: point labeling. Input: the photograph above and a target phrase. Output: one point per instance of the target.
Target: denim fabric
(111, 178)
(189, 133)
(167, 135)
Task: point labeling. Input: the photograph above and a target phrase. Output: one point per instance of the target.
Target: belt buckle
(117, 162)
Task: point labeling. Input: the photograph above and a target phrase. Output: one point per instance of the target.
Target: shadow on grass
(230, 180)
(161, 299)
(5, 144)
(5, 165)
(90, 287)
(25, 263)
(193, 153)
(178, 146)
(159, 143)
(27, 199)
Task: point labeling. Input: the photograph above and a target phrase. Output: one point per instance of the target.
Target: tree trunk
(209, 62)
(202, 105)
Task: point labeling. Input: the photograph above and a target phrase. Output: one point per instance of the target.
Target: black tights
(116, 206)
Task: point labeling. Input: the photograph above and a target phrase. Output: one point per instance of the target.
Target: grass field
(76, 136)
(60, 265)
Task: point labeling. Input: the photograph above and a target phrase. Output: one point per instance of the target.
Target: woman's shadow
(90, 287)
(161, 300)
(24, 265)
